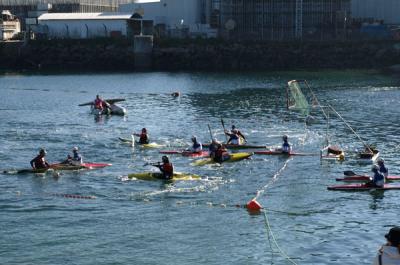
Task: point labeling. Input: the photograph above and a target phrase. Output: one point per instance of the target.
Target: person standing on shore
(389, 253)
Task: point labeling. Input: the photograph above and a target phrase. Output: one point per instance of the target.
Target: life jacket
(379, 179)
(167, 170)
(144, 139)
(383, 170)
(40, 162)
(285, 147)
(98, 103)
(77, 157)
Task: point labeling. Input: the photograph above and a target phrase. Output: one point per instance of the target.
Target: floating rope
(271, 235)
(74, 196)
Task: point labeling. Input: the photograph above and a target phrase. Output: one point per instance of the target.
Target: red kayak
(187, 153)
(276, 152)
(365, 178)
(363, 187)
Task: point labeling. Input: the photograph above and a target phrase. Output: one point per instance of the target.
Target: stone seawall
(189, 55)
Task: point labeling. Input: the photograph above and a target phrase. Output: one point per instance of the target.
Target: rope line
(271, 235)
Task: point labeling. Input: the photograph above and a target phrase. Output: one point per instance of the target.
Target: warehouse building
(93, 25)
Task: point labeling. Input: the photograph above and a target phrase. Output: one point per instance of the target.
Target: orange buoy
(253, 206)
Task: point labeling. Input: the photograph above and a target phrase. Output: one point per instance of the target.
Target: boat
(133, 143)
(57, 167)
(363, 187)
(279, 152)
(233, 158)
(187, 153)
(332, 153)
(367, 158)
(356, 178)
(112, 110)
(239, 146)
(159, 176)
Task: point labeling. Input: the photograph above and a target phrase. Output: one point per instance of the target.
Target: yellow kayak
(149, 145)
(233, 158)
(159, 176)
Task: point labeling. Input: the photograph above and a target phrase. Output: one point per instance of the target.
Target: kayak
(232, 158)
(363, 187)
(367, 160)
(159, 176)
(109, 101)
(113, 110)
(239, 146)
(58, 167)
(277, 152)
(187, 153)
(365, 178)
(149, 145)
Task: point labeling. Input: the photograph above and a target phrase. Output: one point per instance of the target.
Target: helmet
(165, 159)
(42, 151)
(75, 149)
(144, 130)
(285, 137)
(380, 161)
(233, 127)
(374, 168)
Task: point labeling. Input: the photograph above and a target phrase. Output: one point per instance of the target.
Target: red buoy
(254, 206)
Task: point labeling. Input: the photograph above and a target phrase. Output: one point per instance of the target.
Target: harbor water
(200, 221)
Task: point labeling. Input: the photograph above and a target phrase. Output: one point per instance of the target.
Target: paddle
(154, 164)
(209, 130)
(349, 173)
(223, 126)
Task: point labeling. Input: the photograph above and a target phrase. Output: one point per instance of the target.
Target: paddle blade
(349, 173)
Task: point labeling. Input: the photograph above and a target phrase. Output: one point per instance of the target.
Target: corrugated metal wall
(284, 19)
(386, 10)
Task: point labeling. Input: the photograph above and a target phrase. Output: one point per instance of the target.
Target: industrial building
(176, 18)
(93, 25)
(282, 19)
(29, 8)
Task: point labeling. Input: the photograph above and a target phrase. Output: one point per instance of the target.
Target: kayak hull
(242, 146)
(159, 176)
(149, 145)
(187, 153)
(58, 167)
(113, 110)
(365, 178)
(362, 187)
(277, 152)
(232, 158)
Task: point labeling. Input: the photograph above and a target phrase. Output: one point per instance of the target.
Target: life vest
(167, 170)
(40, 162)
(98, 103)
(285, 147)
(143, 138)
(379, 179)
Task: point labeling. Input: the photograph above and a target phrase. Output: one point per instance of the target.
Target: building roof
(85, 16)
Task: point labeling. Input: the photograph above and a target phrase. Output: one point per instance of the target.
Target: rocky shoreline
(192, 55)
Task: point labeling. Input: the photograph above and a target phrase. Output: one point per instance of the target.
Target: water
(191, 222)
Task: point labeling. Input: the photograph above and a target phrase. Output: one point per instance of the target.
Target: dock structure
(282, 19)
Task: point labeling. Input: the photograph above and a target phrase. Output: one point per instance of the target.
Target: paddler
(143, 136)
(39, 161)
(213, 147)
(234, 137)
(196, 147)
(286, 148)
(378, 180)
(221, 154)
(238, 133)
(382, 168)
(166, 168)
(75, 159)
(101, 104)
(389, 253)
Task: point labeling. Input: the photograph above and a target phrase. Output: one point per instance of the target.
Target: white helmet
(75, 149)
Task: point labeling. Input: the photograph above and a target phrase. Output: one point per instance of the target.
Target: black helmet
(165, 159)
(42, 151)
